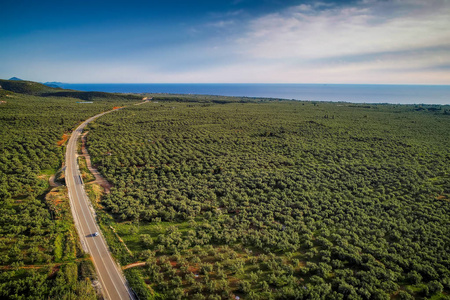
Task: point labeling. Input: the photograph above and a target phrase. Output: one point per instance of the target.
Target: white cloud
(373, 41)
(300, 33)
(369, 42)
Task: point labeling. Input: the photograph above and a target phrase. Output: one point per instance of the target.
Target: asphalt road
(114, 285)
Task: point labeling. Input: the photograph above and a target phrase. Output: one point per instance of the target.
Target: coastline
(392, 94)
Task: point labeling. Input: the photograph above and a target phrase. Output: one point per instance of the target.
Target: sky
(236, 41)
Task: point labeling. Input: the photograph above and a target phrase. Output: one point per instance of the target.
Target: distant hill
(53, 84)
(15, 78)
(39, 89)
(25, 87)
(88, 95)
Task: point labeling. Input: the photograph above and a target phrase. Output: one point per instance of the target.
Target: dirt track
(98, 177)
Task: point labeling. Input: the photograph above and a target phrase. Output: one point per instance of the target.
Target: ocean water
(356, 93)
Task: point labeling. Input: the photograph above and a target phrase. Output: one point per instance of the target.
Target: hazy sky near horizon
(236, 41)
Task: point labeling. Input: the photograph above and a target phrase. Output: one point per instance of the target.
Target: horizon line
(260, 83)
(243, 83)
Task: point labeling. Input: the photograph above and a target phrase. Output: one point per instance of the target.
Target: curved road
(114, 285)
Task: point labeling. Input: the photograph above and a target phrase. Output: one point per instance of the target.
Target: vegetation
(85, 173)
(40, 256)
(224, 197)
(205, 98)
(26, 87)
(38, 89)
(279, 199)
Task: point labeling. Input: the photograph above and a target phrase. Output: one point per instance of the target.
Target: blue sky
(242, 41)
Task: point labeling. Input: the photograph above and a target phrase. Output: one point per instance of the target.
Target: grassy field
(85, 173)
(224, 197)
(279, 199)
(40, 256)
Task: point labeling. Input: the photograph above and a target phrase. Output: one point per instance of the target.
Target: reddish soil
(145, 100)
(194, 270)
(54, 270)
(63, 140)
(136, 264)
(57, 197)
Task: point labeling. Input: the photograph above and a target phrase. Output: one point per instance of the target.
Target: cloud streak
(308, 33)
(393, 40)
(368, 41)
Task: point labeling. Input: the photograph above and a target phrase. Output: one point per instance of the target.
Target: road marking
(82, 233)
(72, 149)
(82, 230)
(89, 251)
(98, 251)
(90, 232)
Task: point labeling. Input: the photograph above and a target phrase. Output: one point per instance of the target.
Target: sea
(355, 93)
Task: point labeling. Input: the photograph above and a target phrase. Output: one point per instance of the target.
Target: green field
(279, 199)
(40, 256)
(223, 197)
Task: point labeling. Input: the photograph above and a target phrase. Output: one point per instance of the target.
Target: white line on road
(83, 204)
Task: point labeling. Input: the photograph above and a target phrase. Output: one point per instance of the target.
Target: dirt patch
(97, 190)
(56, 200)
(136, 264)
(98, 177)
(52, 182)
(63, 140)
(442, 197)
(145, 100)
(55, 267)
(193, 269)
